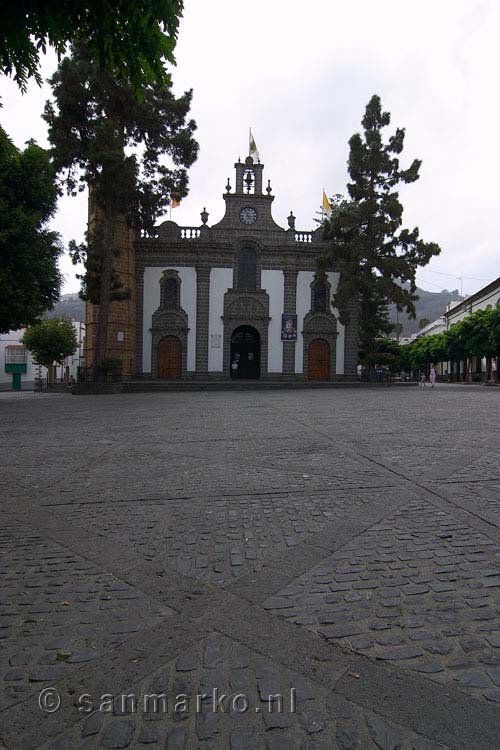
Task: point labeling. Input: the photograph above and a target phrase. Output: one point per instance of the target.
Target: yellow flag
(326, 206)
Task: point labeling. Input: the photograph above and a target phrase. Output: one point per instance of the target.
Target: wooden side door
(169, 358)
(318, 366)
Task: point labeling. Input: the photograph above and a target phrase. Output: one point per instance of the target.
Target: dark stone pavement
(337, 550)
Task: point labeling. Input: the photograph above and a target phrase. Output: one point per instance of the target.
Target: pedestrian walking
(432, 376)
(422, 379)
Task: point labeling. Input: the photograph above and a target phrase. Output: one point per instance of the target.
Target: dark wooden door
(245, 353)
(319, 360)
(169, 358)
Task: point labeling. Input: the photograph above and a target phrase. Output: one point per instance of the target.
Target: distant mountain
(430, 305)
(69, 306)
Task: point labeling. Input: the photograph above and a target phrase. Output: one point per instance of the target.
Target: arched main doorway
(245, 353)
(169, 358)
(318, 364)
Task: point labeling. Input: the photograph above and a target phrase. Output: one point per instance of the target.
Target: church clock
(248, 215)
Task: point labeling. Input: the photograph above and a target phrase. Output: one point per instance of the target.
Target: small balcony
(15, 358)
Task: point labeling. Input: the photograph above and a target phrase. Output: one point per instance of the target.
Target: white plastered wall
(274, 284)
(221, 279)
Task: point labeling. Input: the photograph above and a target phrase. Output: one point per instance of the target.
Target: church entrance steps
(161, 386)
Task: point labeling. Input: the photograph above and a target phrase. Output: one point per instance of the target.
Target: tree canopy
(477, 335)
(51, 341)
(29, 276)
(103, 137)
(373, 253)
(131, 40)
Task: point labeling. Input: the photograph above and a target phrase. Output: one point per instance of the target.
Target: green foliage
(385, 352)
(51, 341)
(477, 335)
(384, 359)
(376, 257)
(494, 325)
(29, 275)
(131, 40)
(103, 137)
(423, 322)
(427, 350)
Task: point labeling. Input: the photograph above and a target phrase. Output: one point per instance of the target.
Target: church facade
(236, 300)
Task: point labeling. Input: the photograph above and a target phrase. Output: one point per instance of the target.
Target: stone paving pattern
(344, 543)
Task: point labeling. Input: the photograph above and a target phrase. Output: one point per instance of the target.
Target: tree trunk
(489, 369)
(101, 342)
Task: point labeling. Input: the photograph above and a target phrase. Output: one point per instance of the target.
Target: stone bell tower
(121, 342)
(248, 208)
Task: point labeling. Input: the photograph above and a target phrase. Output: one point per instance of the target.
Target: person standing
(422, 378)
(432, 376)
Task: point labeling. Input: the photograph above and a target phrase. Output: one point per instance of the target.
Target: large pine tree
(132, 154)
(369, 247)
(132, 40)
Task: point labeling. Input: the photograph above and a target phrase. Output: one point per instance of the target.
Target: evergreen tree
(95, 124)
(29, 276)
(369, 247)
(131, 40)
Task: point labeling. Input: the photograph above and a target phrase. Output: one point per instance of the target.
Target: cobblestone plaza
(309, 569)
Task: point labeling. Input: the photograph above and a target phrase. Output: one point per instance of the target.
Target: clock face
(248, 215)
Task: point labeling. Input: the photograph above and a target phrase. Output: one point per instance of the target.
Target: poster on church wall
(215, 340)
(288, 327)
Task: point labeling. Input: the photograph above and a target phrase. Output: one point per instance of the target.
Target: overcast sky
(300, 74)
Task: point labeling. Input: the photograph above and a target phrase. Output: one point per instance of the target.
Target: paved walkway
(338, 550)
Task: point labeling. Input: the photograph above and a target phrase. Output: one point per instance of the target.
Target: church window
(170, 293)
(170, 290)
(320, 297)
(247, 269)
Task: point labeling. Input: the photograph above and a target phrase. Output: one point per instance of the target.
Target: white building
(486, 298)
(18, 371)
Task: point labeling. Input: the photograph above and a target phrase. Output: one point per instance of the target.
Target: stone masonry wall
(121, 313)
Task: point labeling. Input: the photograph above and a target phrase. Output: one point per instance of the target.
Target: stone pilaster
(351, 344)
(289, 306)
(202, 307)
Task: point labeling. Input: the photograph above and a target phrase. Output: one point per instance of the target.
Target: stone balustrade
(303, 236)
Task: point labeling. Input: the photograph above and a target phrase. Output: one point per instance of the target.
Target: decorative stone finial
(268, 188)
(204, 216)
(291, 220)
(228, 186)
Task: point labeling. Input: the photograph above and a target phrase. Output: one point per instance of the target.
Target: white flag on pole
(253, 151)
